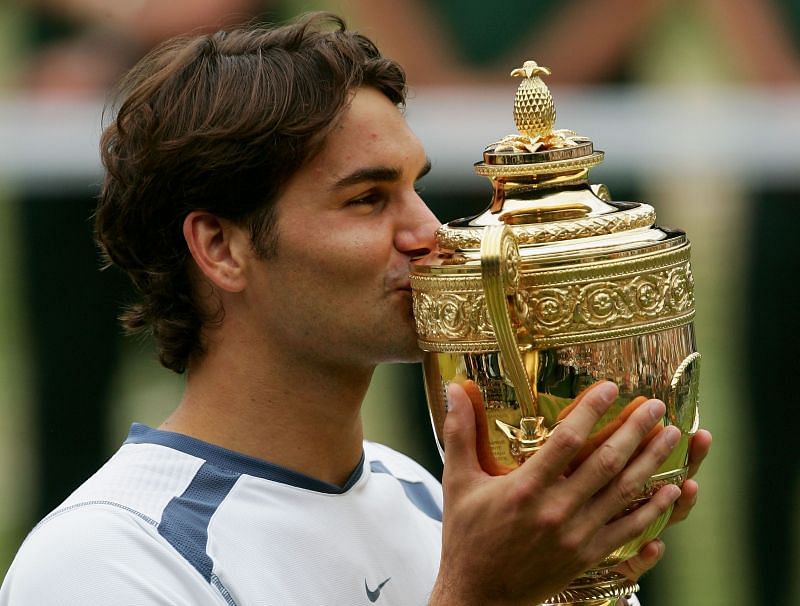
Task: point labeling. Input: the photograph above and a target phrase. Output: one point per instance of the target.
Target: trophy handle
(500, 277)
(686, 382)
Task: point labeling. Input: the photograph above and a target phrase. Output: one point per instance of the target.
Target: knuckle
(518, 494)
(450, 430)
(574, 544)
(521, 494)
(586, 556)
(635, 527)
(566, 439)
(597, 405)
(627, 489)
(610, 461)
(642, 517)
(644, 423)
(553, 517)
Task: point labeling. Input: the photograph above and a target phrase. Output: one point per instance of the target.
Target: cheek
(342, 258)
(355, 255)
(329, 279)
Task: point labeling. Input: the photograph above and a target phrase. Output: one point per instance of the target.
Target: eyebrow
(377, 173)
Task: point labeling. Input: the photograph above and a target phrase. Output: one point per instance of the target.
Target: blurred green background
(696, 104)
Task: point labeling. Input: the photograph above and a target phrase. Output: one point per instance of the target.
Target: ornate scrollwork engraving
(610, 303)
(556, 308)
(452, 316)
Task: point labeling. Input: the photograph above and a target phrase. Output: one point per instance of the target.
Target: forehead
(371, 132)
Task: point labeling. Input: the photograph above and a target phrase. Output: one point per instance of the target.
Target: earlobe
(215, 246)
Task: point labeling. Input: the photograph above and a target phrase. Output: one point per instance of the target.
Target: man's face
(348, 224)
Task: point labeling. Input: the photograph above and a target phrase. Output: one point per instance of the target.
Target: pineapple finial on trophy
(534, 110)
(535, 117)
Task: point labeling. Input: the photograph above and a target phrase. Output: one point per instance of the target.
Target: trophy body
(551, 289)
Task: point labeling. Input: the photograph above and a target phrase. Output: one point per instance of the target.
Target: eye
(368, 202)
(367, 199)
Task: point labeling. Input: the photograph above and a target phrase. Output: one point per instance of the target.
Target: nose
(416, 235)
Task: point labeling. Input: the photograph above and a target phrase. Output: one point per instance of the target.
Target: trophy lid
(541, 188)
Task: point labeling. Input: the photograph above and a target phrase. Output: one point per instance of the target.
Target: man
(260, 194)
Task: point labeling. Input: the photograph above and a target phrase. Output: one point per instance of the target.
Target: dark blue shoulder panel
(184, 522)
(416, 492)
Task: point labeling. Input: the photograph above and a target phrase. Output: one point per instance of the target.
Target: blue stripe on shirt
(416, 492)
(184, 522)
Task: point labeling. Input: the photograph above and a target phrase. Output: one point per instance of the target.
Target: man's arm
(522, 537)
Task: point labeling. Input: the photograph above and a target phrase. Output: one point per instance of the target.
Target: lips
(399, 280)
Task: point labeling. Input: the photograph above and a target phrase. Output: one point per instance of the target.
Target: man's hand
(521, 537)
(650, 553)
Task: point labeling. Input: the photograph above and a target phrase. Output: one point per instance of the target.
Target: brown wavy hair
(218, 122)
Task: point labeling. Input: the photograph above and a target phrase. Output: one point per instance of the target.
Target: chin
(406, 349)
(411, 357)
(401, 345)
(412, 351)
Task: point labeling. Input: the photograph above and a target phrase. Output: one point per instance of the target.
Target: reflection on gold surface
(640, 366)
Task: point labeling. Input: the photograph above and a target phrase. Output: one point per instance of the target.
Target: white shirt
(173, 520)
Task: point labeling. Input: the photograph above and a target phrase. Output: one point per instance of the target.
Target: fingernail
(672, 435)
(657, 409)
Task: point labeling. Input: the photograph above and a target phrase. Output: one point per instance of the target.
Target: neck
(276, 408)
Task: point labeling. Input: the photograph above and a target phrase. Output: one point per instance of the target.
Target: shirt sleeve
(98, 555)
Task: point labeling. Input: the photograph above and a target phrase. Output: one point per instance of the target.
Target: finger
(685, 503)
(486, 457)
(605, 433)
(699, 447)
(649, 555)
(619, 494)
(632, 525)
(600, 436)
(568, 409)
(458, 435)
(609, 460)
(571, 434)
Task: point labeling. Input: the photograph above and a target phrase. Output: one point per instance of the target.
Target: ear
(220, 249)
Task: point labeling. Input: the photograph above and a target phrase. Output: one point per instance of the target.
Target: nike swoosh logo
(374, 595)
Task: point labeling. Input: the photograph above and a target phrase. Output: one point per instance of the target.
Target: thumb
(458, 434)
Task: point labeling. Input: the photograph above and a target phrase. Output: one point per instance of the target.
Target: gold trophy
(552, 288)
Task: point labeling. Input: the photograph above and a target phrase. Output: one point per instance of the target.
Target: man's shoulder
(95, 553)
(87, 528)
(109, 523)
(139, 478)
